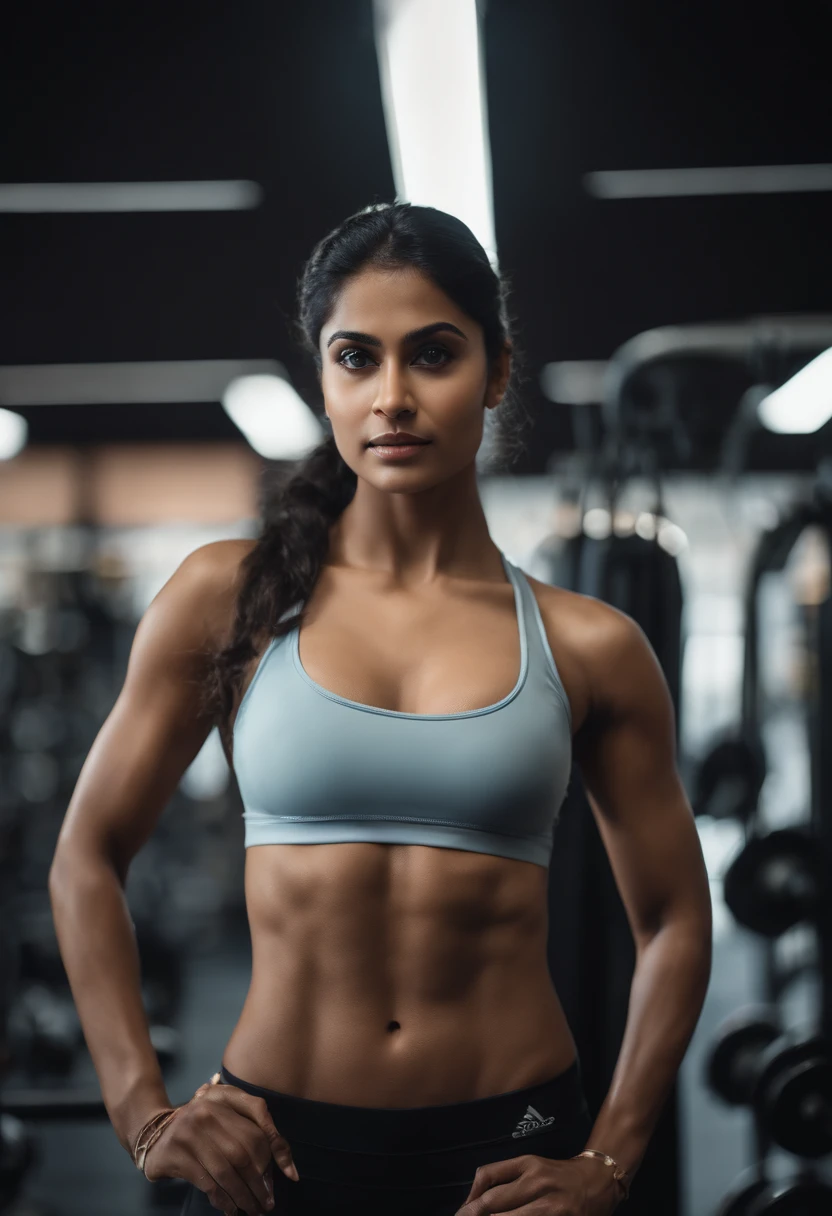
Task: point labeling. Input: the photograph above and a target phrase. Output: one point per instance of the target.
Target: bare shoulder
(596, 646)
(219, 562)
(203, 590)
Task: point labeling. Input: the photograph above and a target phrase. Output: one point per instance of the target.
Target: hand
(223, 1141)
(540, 1186)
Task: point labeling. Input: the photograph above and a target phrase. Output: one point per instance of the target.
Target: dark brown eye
(352, 353)
(444, 355)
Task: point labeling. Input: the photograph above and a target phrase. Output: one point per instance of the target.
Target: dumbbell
(755, 1195)
(776, 881)
(728, 780)
(785, 1078)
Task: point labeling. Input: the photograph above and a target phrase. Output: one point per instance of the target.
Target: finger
(231, 1191)
(511, 1195)
(213, 1192)
(494, 1172)
(246, 1163)
(257, 1110)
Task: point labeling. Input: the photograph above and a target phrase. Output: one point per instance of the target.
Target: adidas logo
(532, 1121)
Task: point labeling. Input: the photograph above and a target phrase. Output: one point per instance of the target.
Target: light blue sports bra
(315, 768)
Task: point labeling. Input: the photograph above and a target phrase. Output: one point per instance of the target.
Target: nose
(393, 396)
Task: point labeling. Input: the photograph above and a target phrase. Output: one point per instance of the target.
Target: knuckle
(237, 1156)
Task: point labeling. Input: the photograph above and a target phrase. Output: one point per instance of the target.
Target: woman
(401, 1048)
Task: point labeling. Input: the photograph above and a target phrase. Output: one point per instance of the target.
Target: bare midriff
(397, 976)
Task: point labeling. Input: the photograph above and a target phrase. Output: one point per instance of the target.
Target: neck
(417, 536)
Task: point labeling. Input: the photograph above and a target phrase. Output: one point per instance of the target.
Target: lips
(397, 439)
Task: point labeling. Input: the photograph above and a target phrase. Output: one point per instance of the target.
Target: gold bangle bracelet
(149, 1133)
(154, 1127)
(619, 1175)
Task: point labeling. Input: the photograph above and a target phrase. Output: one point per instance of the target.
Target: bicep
(627, 756)
(155, 728)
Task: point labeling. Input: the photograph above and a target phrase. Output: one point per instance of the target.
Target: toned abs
(401, 975)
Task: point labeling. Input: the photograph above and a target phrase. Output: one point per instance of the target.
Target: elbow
(61, 873)
(691, 929)
(691, 911)
(57, 871)
(694, 943)
(73, 866)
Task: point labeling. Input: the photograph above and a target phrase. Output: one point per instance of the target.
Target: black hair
(299, 506)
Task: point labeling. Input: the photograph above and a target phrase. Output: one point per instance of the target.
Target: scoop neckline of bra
(514, 579)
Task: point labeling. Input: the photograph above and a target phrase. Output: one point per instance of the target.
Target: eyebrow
(413, 336)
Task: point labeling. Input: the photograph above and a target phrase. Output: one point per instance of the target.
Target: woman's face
(399, 356)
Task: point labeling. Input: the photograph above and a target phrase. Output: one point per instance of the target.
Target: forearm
(668, 989)
(99, 951)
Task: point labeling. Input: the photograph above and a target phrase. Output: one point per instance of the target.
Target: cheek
(457, 403)
(346, 400)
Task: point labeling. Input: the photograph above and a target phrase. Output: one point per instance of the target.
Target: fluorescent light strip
(682, 183)
(126, 383)
(14, 432)
(803, 404)
(575, 382)
(41, 197)
(432, 83)
(275, 420)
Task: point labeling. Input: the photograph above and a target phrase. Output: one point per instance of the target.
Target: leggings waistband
(515, 1117)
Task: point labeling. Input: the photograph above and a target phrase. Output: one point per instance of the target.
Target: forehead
(388, 303)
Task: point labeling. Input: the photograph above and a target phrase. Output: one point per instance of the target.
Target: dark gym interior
(659, 179)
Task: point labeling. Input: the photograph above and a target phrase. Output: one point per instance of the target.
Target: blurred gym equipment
(785, 1078)
(754, 1195)
(652, 406)
(778, 880)
(728, 780)
(59, 663)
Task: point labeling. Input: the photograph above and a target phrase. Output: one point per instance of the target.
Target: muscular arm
(627, 755)
(150, 737)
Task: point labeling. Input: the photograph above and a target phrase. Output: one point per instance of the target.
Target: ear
(498, 377)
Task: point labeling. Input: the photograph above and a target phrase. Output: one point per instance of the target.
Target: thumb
(257, 1110)
(281, 1151)
(215, 1080)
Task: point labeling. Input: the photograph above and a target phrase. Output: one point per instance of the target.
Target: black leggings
(409, 1161)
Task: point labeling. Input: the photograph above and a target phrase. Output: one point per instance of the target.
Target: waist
(351, 1051)
(431, 1145)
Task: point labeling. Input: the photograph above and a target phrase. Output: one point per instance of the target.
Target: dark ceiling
(288, 95)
